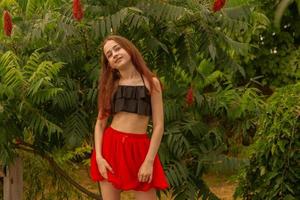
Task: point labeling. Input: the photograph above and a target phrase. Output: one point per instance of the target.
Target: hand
(146, 172)
(103, 166)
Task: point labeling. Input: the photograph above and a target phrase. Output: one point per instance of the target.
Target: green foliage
(198, 136)
(221, 164)
(49, 71)
(281, 9)
(273, 172)
(275, 53)
(25, 93)
(43, 182)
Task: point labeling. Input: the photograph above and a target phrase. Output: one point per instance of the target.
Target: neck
(129, 72)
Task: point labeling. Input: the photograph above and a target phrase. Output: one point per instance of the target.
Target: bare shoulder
(156, 83)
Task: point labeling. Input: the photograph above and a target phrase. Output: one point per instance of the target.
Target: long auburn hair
(109, 76)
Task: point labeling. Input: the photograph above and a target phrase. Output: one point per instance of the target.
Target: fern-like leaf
(10, 72)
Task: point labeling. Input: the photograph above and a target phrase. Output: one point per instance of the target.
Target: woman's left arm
(146, 169)
(157, 119)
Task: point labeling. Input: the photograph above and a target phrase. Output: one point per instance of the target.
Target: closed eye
(108, 55)
(117, 48)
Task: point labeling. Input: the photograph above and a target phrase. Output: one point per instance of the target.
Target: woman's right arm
(98, 137)
(98, 134)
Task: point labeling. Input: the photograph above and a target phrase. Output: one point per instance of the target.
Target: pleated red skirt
(125, 152)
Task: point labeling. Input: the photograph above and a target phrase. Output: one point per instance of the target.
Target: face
(117, 56)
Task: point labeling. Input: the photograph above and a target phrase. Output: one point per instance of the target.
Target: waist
(113, 130)
(130, 122)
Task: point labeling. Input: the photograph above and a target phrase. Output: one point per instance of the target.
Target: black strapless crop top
(133, 99)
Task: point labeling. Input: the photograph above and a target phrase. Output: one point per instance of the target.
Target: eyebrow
(111, 49)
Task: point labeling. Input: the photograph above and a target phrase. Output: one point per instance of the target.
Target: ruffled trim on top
(134, 99)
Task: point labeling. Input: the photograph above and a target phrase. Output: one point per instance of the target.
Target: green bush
(274, 169)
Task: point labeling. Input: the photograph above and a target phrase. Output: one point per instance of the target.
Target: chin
(122, 66)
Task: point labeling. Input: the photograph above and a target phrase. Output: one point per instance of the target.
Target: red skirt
(125, 152)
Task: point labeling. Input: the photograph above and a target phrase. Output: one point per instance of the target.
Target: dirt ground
(222, 186)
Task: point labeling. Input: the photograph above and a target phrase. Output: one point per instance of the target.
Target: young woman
(125, 158)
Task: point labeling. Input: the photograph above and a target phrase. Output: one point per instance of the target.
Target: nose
(114, 54)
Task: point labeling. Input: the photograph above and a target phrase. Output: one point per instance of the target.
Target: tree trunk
(13, 181)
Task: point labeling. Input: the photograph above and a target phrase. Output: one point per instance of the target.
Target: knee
(109, 192)
(148, 195)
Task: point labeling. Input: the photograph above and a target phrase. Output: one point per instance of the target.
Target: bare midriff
(130, 122)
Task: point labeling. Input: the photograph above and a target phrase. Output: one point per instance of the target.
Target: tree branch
(57, 168)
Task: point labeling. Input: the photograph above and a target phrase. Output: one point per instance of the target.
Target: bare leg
(149, 195)
(109, 192)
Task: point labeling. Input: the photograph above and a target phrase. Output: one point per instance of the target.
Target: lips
(118, 60)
